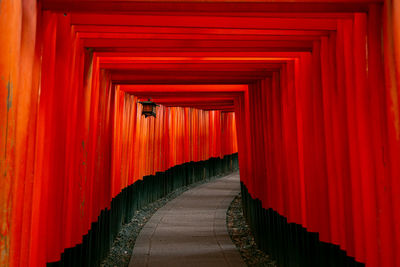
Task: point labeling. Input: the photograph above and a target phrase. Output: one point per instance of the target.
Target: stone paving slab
(191, 229)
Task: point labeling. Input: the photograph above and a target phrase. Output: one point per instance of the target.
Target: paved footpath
(190, 230)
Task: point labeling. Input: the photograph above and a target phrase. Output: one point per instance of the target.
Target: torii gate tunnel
(305, 93)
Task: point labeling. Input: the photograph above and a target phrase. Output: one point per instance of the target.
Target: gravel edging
(242, 237)
(121, 250)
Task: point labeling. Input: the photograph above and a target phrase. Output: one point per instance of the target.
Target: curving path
(191, 229)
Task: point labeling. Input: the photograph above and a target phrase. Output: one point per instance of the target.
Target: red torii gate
(314, 86)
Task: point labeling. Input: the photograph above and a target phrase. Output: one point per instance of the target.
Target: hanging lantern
(149, 108)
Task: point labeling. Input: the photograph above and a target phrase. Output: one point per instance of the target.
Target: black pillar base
(290, 244)
(97, 243)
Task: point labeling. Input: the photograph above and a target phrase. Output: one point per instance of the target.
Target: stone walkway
(191, 229)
